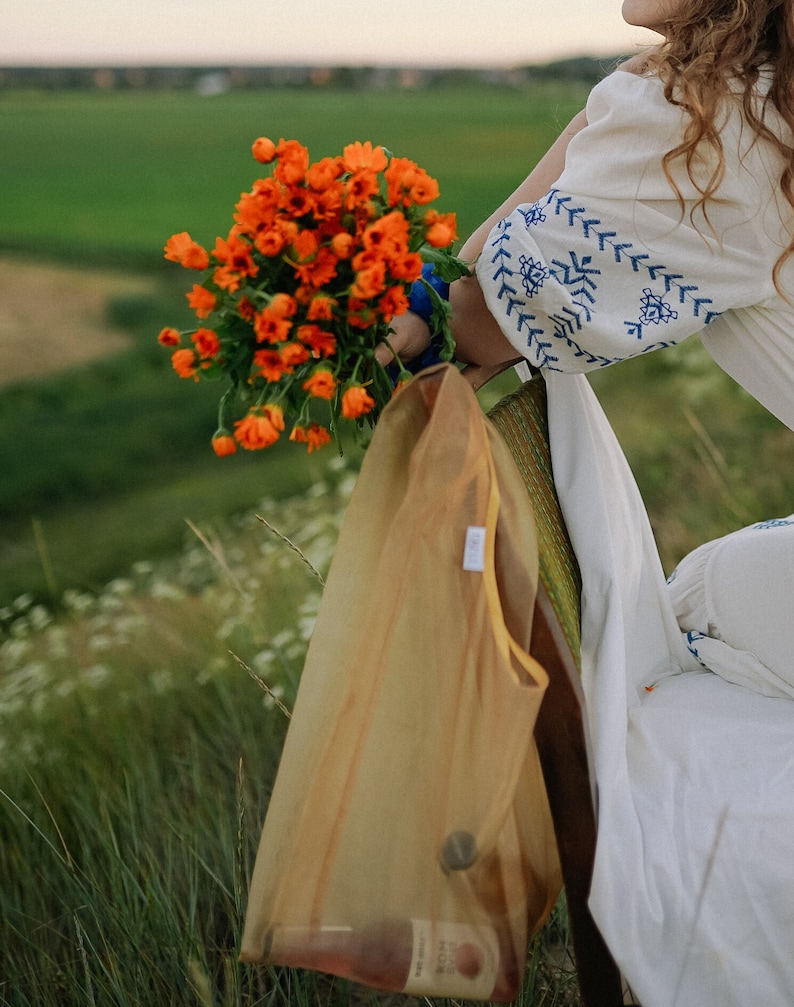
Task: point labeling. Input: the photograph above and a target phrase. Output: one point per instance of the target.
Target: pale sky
(441, 32)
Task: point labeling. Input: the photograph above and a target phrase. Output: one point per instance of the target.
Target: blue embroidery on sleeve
(579, 276)
(693, 638)
(773, 523)
(534, 275)
(654, 310)
(533, 214)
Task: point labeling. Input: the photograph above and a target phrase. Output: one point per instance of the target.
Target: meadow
(143, 660)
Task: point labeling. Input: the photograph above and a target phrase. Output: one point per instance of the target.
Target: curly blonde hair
(715, 50)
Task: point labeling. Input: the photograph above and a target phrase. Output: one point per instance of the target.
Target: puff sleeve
(607, 266)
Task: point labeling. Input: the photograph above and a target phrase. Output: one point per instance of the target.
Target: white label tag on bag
(453, 960)
(474, 551)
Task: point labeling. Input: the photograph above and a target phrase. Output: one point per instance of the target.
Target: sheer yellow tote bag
(408, 844)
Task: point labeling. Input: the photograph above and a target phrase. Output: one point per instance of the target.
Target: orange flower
(319, 342)
(359, 314)
(292, 355)
(319, 271)
(283, 305)
(206, 342)
(227, 279)
(169, 337)
(183, 249)
(271, 366)
(270, 326)
(314, 436)
(407, 183)
(287, 228)
(268, 190)
(256, 212)
(342, 245)
(323, 174)
(270, 242)
(185, 363)
(441, 228)
(235, 254)
(305, 245)
(264, 150)
(389, 235)
(424, 188)
(408, 268)
(369, 282)
(400, 177)
(223, 445)
(357, 156)
(321, 308)
(297, 201)
(260, 428)
(367, 259)
(321, 385)
(246, 309)
(394, 302)
(359, 188)
(275, 414)
(328, 204)
(293, 161)
(201, 300)
(356, 402)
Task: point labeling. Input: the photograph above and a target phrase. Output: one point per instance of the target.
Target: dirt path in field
(54, 317)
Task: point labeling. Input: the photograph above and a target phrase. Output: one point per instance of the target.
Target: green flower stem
(222, 428)
(403, 373)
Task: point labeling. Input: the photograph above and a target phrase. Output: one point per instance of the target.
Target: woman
(664, 210)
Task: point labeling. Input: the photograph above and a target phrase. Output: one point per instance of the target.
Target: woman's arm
(478, 337)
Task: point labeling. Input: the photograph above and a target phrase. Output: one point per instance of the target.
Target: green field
(93, 175)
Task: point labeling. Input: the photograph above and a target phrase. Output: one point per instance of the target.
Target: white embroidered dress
(694, 877)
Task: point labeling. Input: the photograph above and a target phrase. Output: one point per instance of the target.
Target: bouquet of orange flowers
(321, 257)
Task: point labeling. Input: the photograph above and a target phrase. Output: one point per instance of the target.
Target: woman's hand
(410, 335)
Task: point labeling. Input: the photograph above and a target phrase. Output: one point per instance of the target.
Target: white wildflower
(64, 688)
(161, 590)
(57, 641)
(110, 602)
(101, 641)
(39, 617)
(306, 626)
(77, 601)
(13, 651)
(282, 639)
(96, 675)
(228, 627)
(19, 628)
(262, 662)
(161, 681)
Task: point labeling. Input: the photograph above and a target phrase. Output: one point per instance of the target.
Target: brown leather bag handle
(478, 376)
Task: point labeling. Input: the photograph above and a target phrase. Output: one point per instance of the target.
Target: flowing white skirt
(694, 878)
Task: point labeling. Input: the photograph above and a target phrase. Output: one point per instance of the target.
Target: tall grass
(139, 735)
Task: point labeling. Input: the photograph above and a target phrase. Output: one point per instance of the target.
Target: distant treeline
(218, 79)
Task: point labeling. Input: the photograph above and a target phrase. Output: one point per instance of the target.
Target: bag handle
(479, 376)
